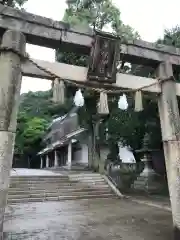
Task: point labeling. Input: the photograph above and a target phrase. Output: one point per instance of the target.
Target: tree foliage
(36, 111)
(171, 37)
(101, 15)
(14, 3)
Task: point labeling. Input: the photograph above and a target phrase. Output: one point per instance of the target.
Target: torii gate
(46, 32)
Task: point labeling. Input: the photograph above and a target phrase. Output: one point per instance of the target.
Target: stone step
(56, 180)
(74, 174)
(39, 176)
(68, 183)
(85, 177)
(60, 198)
(60, 181)
(40, 180)
(57, 185)
(16, 190)
(42, 183)
(87, 180)
(59, 178)
(56, 188)
(57, 194)
(78, 188)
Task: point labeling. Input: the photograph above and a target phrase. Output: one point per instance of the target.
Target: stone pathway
(161, 202)
(100, 219)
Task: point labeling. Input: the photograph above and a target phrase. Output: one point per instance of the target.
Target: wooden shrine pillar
(170, 125)
(69, 158)
(10, 74)
(56, 159)
(47, 161)
(41, 162)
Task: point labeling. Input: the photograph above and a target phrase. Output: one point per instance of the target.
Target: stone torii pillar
(170, 126)
(10, 74)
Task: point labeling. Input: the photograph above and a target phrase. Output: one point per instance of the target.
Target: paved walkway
(162, 202)
(104, 219)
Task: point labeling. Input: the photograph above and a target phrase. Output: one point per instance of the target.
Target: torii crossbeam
(55, 34)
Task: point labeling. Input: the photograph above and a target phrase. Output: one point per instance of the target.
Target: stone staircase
(69, 186)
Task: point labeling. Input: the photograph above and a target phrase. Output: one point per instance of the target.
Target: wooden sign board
(103, 59)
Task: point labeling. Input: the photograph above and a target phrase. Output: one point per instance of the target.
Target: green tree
(21, 125)
(29, 138)
(34, 130)
(102, 15)
(13, 3)
(99, 14)
(132, 126)
(40, 104)
(171, 37)
(36, 111)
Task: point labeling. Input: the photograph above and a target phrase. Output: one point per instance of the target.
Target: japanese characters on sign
(103, 59)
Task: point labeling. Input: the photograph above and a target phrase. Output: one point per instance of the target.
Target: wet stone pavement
(100, 219)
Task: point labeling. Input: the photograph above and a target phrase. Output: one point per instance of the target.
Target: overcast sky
(149, 18)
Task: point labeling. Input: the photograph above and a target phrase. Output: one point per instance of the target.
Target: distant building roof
(71, 113)
(60, 142)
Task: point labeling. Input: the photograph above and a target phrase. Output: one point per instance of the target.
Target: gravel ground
(100, 219)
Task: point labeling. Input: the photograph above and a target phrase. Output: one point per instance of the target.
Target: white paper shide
(79, 99)
(122, 103)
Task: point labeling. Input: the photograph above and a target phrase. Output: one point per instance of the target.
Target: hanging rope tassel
(103, 107)
(59, 92)
(138, 101)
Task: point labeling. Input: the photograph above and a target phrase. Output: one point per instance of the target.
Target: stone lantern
(148, 181)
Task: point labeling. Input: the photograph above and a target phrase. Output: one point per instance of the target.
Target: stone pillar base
(148, 185)
(148, 181)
